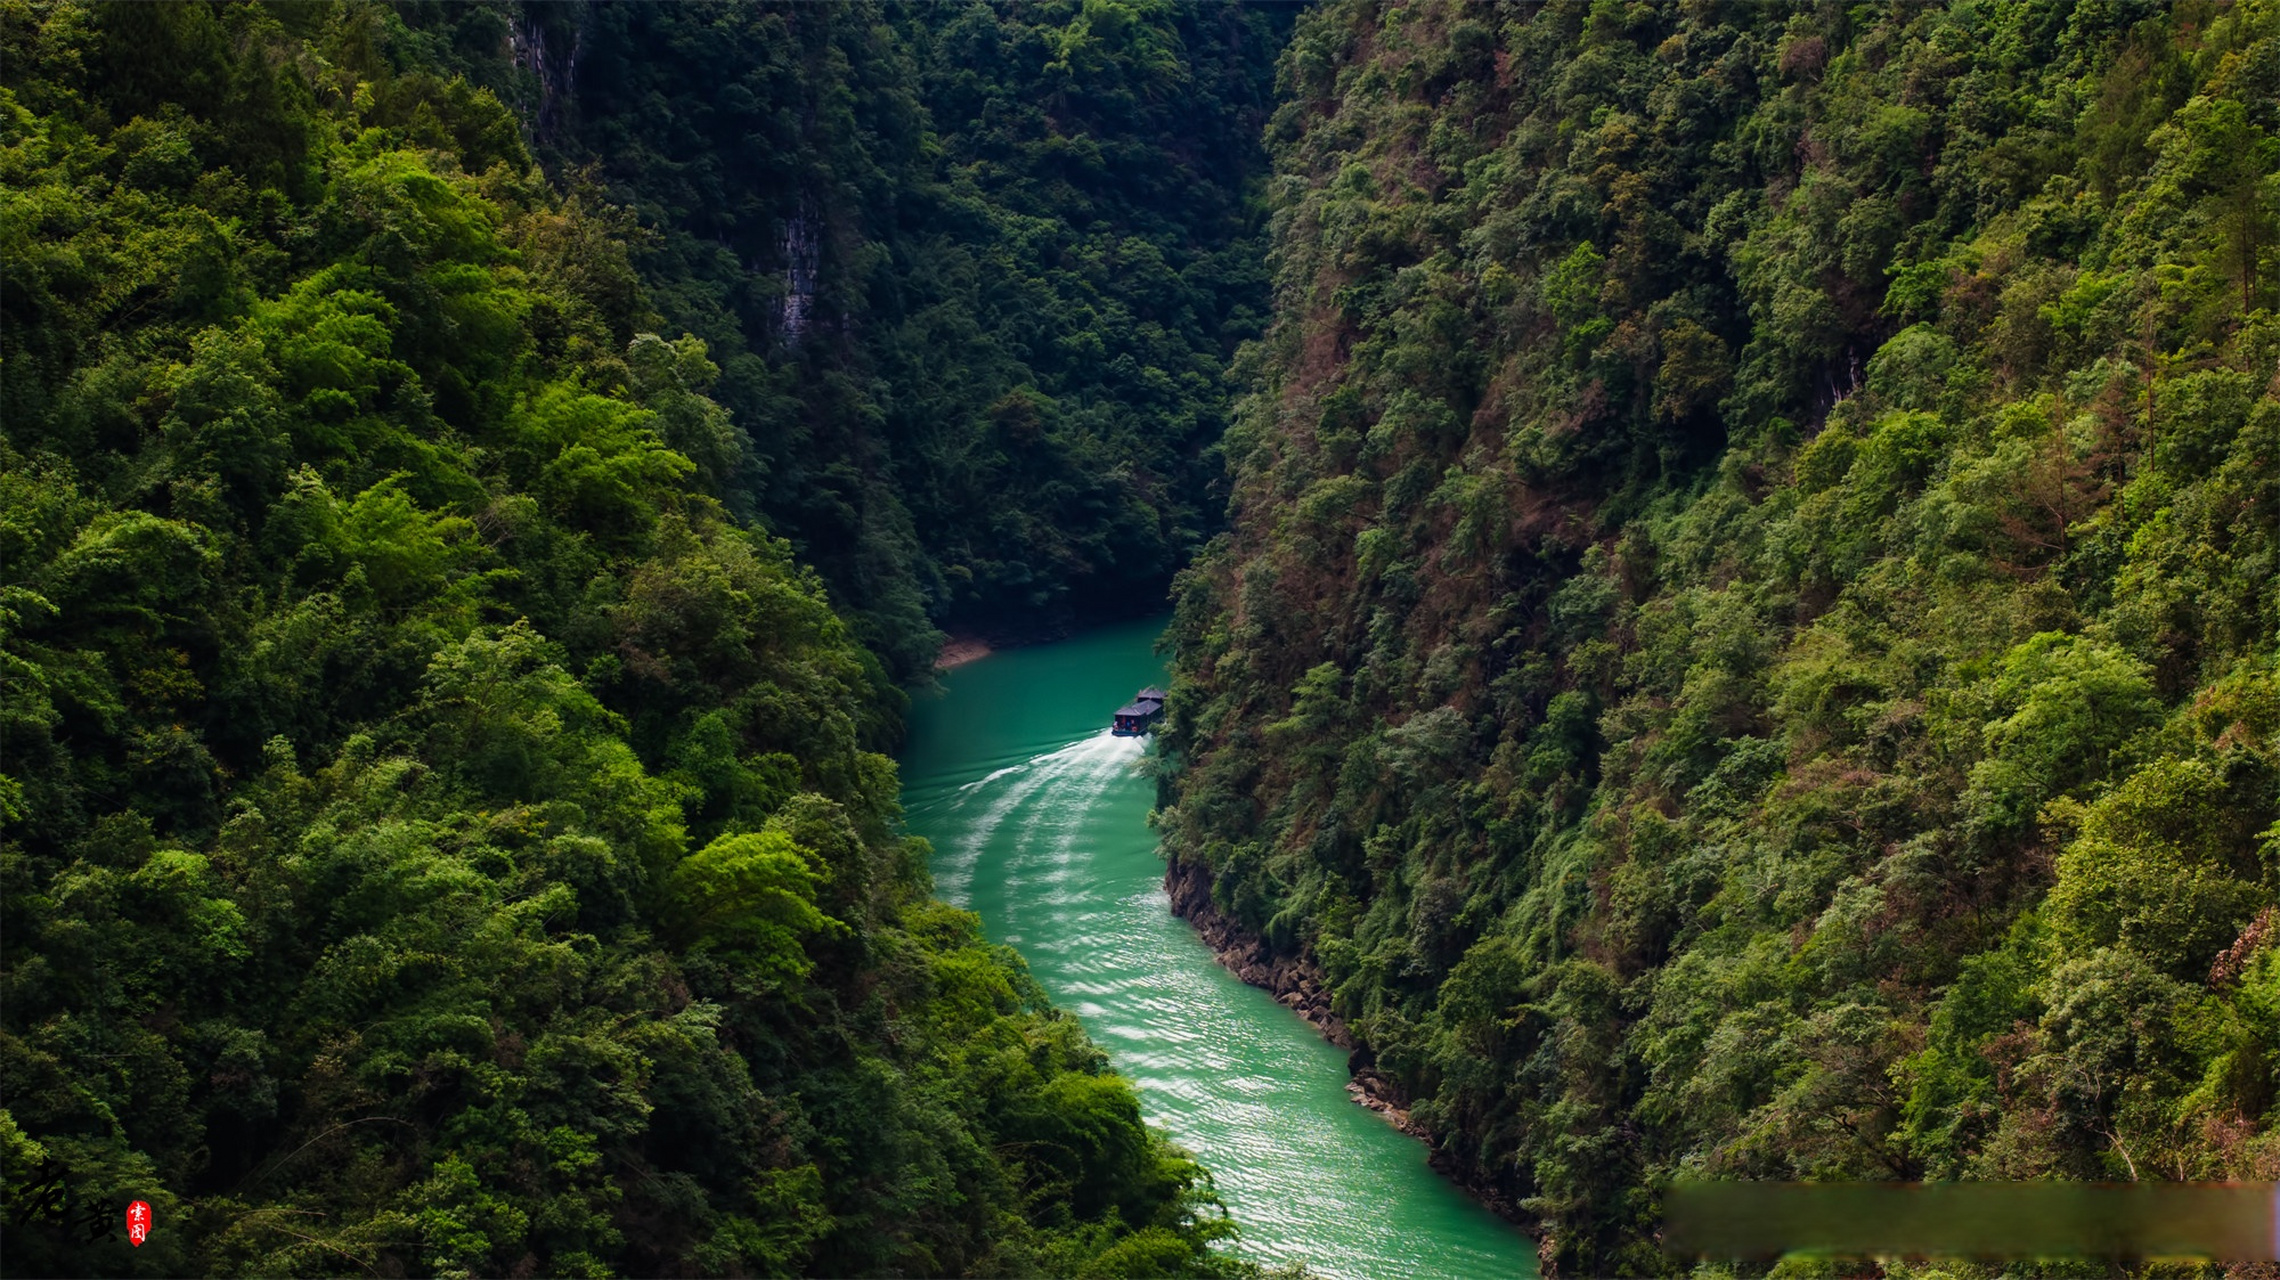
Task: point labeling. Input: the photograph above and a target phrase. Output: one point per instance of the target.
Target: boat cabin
(1133, 719)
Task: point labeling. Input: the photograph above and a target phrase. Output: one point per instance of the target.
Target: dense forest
(972, 273)
(1747, 642)
(446, 829)
(1726, 562)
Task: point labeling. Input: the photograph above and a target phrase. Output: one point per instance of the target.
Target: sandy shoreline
(957, 651)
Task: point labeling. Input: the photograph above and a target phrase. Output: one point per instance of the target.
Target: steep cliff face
(544, 43)
(1746, 640)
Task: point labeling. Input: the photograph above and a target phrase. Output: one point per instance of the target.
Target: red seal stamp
(138, 1222)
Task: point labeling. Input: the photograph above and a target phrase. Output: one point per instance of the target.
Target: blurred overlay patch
(2227, 1221)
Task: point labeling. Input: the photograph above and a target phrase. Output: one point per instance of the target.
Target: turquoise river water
(1039, 822)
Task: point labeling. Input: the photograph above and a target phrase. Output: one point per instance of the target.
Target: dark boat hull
(1133, 720)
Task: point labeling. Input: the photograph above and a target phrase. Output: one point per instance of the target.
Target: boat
(1135, 718)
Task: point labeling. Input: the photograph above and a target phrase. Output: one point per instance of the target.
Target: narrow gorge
(564, 569)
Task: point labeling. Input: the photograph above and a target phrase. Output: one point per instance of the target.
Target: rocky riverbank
(1295, 980)
(1298, 984)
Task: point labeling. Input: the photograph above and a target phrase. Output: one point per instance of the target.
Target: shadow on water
(1039, 822)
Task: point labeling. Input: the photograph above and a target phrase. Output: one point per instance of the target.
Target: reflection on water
(1039, 822)
(1049, 799)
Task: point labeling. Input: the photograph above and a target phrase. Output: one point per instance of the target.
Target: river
(1039, 823)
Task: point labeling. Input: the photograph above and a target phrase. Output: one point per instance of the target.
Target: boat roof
(1150, 692)
(1140, 709)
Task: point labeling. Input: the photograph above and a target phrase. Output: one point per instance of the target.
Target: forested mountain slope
(1747, 641)
(439, 835)
(972, 272)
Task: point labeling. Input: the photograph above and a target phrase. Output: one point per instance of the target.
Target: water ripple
(1047, 840)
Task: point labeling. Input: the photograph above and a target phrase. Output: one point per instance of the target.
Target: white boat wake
(1047, 797)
